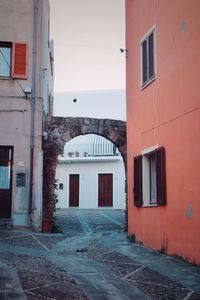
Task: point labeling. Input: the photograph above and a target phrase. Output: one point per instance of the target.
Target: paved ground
(91, 259)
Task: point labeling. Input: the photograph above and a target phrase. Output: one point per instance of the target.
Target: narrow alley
(91, 259)
(99, 150)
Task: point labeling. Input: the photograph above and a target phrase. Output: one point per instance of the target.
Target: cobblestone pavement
(92, 259)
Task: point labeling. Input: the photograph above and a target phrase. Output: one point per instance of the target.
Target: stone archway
(61, 130)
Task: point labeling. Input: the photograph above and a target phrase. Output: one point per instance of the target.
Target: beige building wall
(20, 110)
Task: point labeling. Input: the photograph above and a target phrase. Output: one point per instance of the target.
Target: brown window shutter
(19, 60)
(144, 62)
(160, 176)
(138, 181)
(151, 55)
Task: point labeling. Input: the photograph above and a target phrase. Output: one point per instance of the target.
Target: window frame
(146, 177)
(146, 38)
(152, 178)
(5, 44)
(142, 178)
(18, 62)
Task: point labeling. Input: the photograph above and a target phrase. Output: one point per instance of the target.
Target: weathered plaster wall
(166, 113)
(16, 23)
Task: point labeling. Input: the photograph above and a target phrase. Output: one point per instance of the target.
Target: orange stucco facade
(166, 113)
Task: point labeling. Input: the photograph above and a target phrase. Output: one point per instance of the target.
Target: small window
(5, 59)
(148, 58)
(149, 178)
(13, 60)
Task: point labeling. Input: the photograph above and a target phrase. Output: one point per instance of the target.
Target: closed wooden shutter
(144, 62)
(160, 176)
(105, 190)
(19, 60)
(151, 55)
(138, 201)
(74, 190)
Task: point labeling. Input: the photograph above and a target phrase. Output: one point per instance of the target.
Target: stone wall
(61, 130)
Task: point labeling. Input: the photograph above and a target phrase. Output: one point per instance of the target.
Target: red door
(105, 197)
(6, 158)
(74, 190)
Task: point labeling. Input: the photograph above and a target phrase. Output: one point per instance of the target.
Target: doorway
(74, 190)
(105, 190)
(6, 161)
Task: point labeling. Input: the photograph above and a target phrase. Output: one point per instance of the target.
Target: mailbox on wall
(61, 186)
(21, 179)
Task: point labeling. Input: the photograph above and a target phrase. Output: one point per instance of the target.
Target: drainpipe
(32, 124)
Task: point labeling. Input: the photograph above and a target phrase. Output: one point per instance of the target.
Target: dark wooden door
(6, 160)
(74, 190)
(105, 182)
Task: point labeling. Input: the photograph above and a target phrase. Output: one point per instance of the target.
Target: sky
(88, 35)
(94, 104)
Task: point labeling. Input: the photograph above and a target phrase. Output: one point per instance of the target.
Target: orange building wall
(167, 113)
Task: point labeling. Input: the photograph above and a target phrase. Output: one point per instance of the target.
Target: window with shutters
(13, 60)
(148, 58)
(5, 59)
(149, 178)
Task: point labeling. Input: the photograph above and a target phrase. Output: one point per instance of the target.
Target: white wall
(88, 176)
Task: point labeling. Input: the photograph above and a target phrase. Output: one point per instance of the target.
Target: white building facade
(90, 175)
(26, 98)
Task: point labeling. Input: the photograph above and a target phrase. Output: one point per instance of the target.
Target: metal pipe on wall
(32, 119)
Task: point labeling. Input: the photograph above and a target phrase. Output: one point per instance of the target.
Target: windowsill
(147, 83)
(150, 205)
